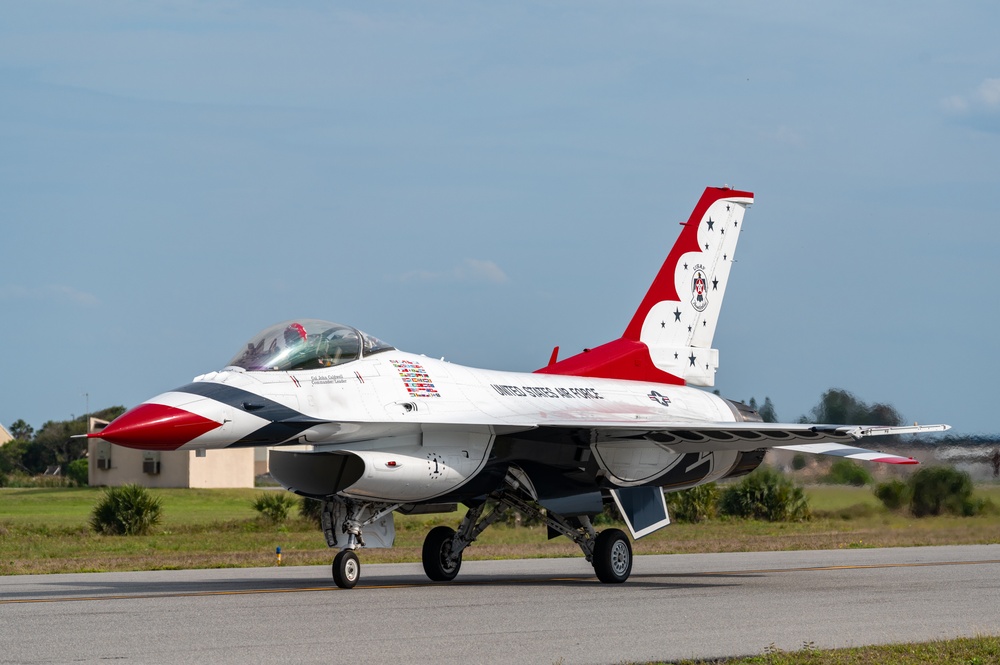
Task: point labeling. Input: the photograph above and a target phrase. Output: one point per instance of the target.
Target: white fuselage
(391, 392)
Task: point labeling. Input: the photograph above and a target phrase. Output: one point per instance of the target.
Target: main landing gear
(610, 551)
(343, 520)
(612, 556)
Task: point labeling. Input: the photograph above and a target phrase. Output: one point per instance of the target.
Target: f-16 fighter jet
(380, 430)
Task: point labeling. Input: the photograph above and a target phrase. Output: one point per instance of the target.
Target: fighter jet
(378, 430)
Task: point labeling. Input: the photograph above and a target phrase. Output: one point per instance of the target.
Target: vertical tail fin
(669, 338)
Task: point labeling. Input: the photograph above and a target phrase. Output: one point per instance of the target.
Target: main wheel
(346, 569)
(438, 563)
(612, 556)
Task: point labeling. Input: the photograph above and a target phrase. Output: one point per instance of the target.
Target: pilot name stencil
(327, 378)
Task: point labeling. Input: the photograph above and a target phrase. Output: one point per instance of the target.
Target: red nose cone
(155, 427)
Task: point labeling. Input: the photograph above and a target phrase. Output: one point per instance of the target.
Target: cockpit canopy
(306, 344)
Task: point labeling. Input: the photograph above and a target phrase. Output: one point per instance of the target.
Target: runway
(535, 610)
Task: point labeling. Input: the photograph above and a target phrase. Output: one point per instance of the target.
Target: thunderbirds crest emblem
(699, 289)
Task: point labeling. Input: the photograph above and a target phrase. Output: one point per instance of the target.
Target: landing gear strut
(609, 551)
(343, 521)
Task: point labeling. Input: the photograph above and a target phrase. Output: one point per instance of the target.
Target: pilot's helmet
(294, 334)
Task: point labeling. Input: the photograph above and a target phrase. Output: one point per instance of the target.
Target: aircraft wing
(696, 437)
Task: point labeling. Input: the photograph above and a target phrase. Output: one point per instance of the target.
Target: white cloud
(58, 292)
(469, 270)
(786, 135)
(480, 271)
(985, 98)
(955, 104)
(989, 93)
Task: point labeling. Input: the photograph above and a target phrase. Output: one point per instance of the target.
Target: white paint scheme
(406, 469)
(356, 411)
(379, 411)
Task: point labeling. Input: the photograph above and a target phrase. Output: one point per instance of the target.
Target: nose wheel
(346, 569)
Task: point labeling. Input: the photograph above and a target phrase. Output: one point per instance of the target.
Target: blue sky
(483, 181)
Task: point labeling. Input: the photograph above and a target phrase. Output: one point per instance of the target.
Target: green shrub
(77, 472)
(846, 472)
(694, 505)
(941, 489)
(765, 494)
(894, 494)
(609, 516)
(980, 506)
(311, 509)
(798, 462)
(274, 505)
(129, 510)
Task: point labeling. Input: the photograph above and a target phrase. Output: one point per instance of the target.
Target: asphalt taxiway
(536, 610)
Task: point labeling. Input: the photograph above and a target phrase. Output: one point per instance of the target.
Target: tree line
(836, 407)
(32, 452)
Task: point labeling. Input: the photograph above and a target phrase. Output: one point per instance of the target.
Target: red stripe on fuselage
(620, 359)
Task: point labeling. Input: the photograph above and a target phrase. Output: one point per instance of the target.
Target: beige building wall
(260, 461)
(178, 468)
(4, 435)
(222, 468)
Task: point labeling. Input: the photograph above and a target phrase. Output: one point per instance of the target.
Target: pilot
(295, 334)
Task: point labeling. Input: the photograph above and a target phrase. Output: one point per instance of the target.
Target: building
(116, 465)
(4, 435)
(260, 461)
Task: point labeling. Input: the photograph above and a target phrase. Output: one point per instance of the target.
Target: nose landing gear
(346, 569)
(343, 522)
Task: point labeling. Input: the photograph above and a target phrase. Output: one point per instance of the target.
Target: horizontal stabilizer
(850, 452)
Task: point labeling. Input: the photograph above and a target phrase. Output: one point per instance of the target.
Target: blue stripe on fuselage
(286, 423)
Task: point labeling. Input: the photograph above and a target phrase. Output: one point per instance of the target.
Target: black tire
(612, 556)
(346, 569)
(437, 548)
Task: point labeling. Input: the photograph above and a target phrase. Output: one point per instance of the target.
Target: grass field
(46, 531)
(963, 651)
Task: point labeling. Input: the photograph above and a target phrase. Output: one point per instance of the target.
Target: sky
(484, 181)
